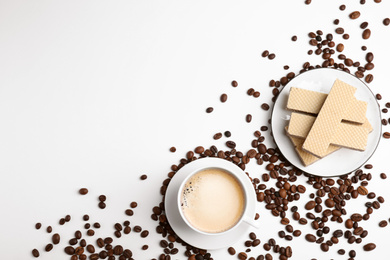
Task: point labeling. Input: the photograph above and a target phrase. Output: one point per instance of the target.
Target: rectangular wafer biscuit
(306, 157)
(308, 101)
(329, 118)
(347, 135)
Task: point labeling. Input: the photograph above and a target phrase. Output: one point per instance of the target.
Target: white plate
(186, 233)
(344, 160)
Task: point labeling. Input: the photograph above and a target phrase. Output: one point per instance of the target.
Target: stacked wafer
(321, 124)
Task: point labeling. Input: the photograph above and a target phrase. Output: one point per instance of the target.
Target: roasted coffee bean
(35, 253)
(90, 232)
(96, 225)
(231, 144)
(297, 233)
(227, 133)
(55, 238)
(339, 30)
(383, 223)
(62, 221)
(354, 15)
(386, 21)
(209, 110)
(342, 7)
(234, 84)
(248, 118)
(310, 205)
(271, 56)
(265, 53)
(91, 249)
(310, 238)
(366, 34)
(363, 25)
(348, 223)
(362, 190)
(48, 247)
(369, 78)
(223, 98)
(231, 251)
(172, 149)
(102, 205)
(129, 212)
(83, 191)
(265, 106)
(73, 241)
(369, 247)
(137, 229)
(38, 225)
(69, 250)
(324, 247)
(386, 135)
(144, 233)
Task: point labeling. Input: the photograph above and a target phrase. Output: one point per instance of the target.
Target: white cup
(239, 176)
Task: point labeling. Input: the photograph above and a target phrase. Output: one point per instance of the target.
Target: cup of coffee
(213, 200)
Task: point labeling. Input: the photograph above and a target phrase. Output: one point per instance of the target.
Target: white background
(93, 94)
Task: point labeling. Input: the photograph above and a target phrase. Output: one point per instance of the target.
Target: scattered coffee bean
(35, 253)
(83, 191)
(209, 110)
(55, 239)
(143, 177)
(265, 106)
(172, 149)
(383, 176)
(48, 247)
(231, 144)
(386, 135)
(38, 225)
(386, 21)
(49, 229)
(294, 38)
(366, 34)
(265, 53)
(133, 204)
(234, 84)
(144, 233)
(271, 56)
(354, 15)
(217, 136)
(102, 205)
(369, 247)
(223, 98)
(383, 223)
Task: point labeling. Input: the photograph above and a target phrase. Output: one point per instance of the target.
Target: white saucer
(344, 160)
(186, 233)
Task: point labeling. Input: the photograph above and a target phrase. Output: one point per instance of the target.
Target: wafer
(329, 118)
(308, 101)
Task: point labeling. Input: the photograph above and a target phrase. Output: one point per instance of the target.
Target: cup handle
(251, 221)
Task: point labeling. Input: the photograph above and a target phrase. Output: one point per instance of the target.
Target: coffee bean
(48, 247)
(297, 233)
(324, 247)
(35, 253)
(231, 251)
(310, 205)
(284, 221)
(133, 204)
(342, 7)
(217, 136)
(310, 238)
(143, 177)
(386, 135)
(354, 15)
(94, 257)
(129, 212)
(383, 223)
(366, 34)
(363, 25)
(73, 241)
(248, 118)
(362, 190)
(271, 56)
(38, 225)
(348, 223)
(209, 110)
(265, 106)
(231, 144)
(340, 47)
(339, 30)
(55, 238)
(369, 78)
(90, 232)
(83, 191)
(265, 53)
(172, 149)
(223, 98)
(49, 229)
(144, 233)
(369, 247)
(62, 221)
(69, 250)
(336, 21)
(102, 205)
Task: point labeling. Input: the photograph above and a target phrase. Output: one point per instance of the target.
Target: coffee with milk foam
(213, 200)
